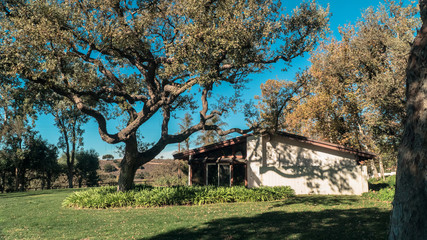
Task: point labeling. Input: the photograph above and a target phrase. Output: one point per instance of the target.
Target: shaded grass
(40, 216)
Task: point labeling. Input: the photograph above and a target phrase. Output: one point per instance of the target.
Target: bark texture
(129, 165)
(409, 215)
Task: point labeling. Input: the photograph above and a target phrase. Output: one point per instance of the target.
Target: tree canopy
(356, 85)
(145, 57)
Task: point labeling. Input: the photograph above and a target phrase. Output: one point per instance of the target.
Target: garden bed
(147, 196)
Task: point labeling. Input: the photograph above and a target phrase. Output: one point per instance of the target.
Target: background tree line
(353, 93)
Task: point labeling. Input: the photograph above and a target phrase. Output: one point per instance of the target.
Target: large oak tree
(142, 58)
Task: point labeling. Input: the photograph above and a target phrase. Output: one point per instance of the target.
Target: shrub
(385, 194)
(147, 196)
(382, 190)
(140, 175)
(109, 168)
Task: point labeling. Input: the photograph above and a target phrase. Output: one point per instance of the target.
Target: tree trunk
(80, 181)
(128, 165)
(380, 161)
(3, 182)
(43, 183)
(409, 215)
(16, 179)
(373, 168)
(21, 178)
(49, 180)
(70, 176)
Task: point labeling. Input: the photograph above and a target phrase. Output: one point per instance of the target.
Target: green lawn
(39, 215)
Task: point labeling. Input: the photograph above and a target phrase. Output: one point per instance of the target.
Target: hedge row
(147, 196)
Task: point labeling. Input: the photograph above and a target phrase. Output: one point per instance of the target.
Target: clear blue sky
(343, 12)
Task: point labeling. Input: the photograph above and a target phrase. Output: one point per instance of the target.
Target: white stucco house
(280, 159)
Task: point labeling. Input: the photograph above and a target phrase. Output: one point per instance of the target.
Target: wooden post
(231, 174)
(190, 171)
(246, 175)
(190, 175)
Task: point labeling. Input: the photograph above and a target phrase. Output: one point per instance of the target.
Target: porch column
(190, 175)
(190, 171)
(231, 175)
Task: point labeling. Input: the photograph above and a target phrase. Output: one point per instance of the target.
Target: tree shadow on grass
(38, 192)
(313, 200)
(23, 194)
(369, 223)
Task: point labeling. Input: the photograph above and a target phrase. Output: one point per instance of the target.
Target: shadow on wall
(337, 171)
(328, 224)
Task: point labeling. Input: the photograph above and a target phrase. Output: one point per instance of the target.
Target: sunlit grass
(39, 215)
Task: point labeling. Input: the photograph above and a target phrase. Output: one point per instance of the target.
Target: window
(218, 174)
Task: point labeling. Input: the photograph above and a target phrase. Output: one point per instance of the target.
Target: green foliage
(169, 180)
(109, 168)
(107, 157)
(385, 194)
(277, 99)
(132, 60)
(207, 137)
(388, 182)
(87, 164)
(357, 83)
(382, 190)
(146, 196)
(185, 123)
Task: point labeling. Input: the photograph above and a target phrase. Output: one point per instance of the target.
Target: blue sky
(343, 12)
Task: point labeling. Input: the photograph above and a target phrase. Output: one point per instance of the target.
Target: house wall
(279, 161)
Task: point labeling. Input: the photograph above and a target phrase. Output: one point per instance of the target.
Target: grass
(39, 215)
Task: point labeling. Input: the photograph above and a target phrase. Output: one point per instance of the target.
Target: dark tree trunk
(409, 215)
(16, 180)
(49, 180)
(43, 183)
(21, 179)
(3, 182)
(129, 165)
(70, 175)
(80, 181)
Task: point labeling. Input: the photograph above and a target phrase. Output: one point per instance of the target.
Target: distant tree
(409, 215)
(207, 137)
(6, 170)
(277, 99)
(109, 168)
(186, 123)
(69, 121)
(43, 161)
(87, 164)
(16, 129)
(357, 84)
(108, 157)
(136, 60)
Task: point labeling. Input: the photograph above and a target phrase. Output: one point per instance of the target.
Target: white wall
(308, 169)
